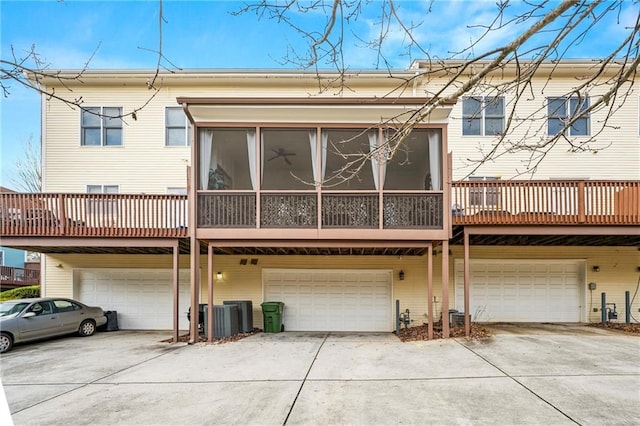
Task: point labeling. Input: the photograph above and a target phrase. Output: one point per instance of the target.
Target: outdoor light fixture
(219, 276)
(596, 268)
(401, 275)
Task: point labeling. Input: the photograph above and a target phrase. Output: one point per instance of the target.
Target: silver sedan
(24, 320)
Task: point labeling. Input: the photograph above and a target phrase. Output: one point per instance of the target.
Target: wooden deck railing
(334, 209)
(93, 215)
(546, 202)
(474, 203)
(11, 277)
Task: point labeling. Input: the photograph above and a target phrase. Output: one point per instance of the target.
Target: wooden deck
(493, 203)
(11, 277)
(93, 215)
(546, 202)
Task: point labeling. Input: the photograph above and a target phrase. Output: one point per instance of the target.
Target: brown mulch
(633, 328)
(217, 341)
(422, 332)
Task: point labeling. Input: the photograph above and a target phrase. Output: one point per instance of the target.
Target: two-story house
(256, 185)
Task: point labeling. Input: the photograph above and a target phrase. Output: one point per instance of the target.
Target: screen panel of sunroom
(414, 163)
(348, 159)
(227, 159)
(287, 161)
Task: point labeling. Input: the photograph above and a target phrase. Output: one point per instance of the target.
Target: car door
(44, 323)
(70, 314)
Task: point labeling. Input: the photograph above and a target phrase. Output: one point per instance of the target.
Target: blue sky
(204, 34)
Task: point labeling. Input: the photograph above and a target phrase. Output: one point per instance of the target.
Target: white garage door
(521, 291)
(332, 300)
(143, 298)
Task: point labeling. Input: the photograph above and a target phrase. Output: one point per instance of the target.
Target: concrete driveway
(537, 375)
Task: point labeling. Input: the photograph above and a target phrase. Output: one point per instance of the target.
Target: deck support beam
(467, 276)
(210, 335)
(430, 291)
(176, 291)
(445, 289)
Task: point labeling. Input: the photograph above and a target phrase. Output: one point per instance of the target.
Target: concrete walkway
(553, 375)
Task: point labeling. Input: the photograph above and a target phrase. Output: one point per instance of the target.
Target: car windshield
(10, 308)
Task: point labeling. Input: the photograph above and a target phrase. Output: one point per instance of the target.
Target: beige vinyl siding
(618, 146)
(59, 267)
(618, 273)
(143, 164)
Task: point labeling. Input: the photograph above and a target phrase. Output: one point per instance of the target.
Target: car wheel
(6, 342)
(87, 328)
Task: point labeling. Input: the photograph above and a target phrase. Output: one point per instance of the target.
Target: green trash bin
(272, 313)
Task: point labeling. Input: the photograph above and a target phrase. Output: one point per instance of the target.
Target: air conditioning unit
(245, 314)
(225, 320)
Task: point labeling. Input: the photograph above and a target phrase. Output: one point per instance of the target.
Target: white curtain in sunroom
(206, 144)
(435, 165)
(251, 151)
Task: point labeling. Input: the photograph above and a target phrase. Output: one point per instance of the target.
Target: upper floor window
(177, 128)
(102, 126)
(177, 191)
(561, 110)
(102, 189)
(31, 256)
(102, 205)
(484, 194)
(483, 116)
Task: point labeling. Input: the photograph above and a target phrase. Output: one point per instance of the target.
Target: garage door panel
(537, 291)
(340, 300)
(143, 298)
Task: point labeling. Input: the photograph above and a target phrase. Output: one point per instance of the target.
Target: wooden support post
(176, 291)
(467, 314)
(430, 290)
(210, 293)
(445, 289)
(194, 264)
(581, 203)
(195, 289)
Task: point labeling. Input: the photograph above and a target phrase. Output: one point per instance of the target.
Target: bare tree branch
(29, 70)
(546, 34)
(26, 175)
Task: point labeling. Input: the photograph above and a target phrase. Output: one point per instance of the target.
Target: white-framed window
(177, 127)
(561, 109)
(101, 126)
(484, 196)
(103, 189)
(180, 214)
(103, 205)
(483, 115)
(31, 256)
(177, 191)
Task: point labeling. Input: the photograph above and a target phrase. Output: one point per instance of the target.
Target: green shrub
(20, 293)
